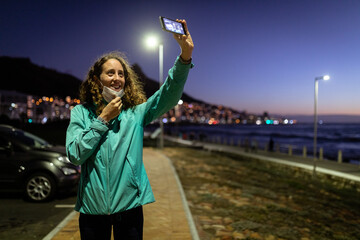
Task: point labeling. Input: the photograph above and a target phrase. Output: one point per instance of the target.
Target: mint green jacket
(113, 177)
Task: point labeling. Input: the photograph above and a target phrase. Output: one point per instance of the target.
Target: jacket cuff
(181, 62)
(99, 126)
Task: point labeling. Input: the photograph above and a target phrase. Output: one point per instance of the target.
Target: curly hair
(90, 89)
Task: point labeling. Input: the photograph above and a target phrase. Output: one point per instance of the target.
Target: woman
(105, 136)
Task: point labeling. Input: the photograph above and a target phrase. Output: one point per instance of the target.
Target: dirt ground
(236, 198)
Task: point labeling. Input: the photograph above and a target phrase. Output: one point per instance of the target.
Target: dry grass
(235, 198)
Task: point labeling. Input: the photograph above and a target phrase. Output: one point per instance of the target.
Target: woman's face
(113, 75)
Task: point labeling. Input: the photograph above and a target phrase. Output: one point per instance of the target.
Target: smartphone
(172, 26)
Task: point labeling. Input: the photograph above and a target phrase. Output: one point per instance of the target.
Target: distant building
(24, 107)
(13, 104)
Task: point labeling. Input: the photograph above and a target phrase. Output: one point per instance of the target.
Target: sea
(330, 137)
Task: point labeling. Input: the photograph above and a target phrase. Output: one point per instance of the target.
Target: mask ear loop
(126, 74)
(98, 80)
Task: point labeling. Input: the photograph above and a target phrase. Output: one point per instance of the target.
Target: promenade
(168, 218)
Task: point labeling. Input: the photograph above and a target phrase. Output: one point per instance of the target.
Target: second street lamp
(153, 42)
(326, 77)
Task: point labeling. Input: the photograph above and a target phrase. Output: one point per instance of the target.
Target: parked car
(31, 165)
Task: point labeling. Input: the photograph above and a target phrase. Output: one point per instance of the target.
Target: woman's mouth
(116, 88)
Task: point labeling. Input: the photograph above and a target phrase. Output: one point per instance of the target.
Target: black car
(30, 164)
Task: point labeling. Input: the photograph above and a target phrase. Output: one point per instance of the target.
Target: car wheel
(40, 187)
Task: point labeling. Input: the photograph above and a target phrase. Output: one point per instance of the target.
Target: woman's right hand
(185, 42)
(112, 109)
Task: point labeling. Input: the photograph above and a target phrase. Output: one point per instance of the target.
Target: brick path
(164, 219)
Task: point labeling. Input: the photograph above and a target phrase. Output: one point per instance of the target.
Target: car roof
(6, 128)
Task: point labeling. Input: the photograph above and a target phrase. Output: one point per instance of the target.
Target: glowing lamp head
(326, 77)
(152, 42)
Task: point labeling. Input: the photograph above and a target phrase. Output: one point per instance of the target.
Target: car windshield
(30, 139)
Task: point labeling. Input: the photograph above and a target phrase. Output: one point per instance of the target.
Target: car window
(30, 139)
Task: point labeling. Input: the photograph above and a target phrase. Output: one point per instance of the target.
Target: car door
(10, 169)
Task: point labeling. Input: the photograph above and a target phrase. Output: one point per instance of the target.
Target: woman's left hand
(185, 42)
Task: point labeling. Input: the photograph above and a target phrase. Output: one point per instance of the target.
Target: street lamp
(325, 78)
(153, 42)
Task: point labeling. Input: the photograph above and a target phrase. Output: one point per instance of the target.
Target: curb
(60, 226)
(193, 230)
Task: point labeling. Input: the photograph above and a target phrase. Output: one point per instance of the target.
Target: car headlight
(68, 171)
(63, 159)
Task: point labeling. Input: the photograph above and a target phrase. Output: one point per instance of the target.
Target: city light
(46, 109)
(44, 120)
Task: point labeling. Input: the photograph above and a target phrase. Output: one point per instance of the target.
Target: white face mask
(109, 94)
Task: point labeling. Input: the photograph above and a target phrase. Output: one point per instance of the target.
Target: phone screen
(172, 26)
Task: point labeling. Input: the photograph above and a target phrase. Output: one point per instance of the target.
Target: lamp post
(178, 116)
(325, 78)
(153, 42)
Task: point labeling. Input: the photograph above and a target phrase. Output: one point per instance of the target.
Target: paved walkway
(167, 218)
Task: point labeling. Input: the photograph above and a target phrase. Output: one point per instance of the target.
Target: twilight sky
(254, 55)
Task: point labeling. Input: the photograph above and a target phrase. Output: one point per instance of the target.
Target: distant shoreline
(327, 118)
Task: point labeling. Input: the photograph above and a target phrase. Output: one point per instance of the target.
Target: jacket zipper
(107, 160)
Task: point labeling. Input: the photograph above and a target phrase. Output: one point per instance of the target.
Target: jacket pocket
(133, 178)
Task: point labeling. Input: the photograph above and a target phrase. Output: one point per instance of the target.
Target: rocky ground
(236, 198)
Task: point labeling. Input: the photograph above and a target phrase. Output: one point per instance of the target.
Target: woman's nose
(117, 76)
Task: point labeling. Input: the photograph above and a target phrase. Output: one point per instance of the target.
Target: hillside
(20, 74)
